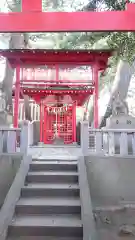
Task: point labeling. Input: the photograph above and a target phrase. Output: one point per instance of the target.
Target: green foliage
(14, 5)
(121, 41)
(124, 43)
(115, 4)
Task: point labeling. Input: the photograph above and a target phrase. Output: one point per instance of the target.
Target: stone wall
(8, 168)
(112, 187)
(111, 179)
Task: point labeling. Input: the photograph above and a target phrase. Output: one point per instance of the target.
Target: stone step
(43, 238)
(47, 205)
(47, 189)
(48, 160)
(53, 166)
(52, 177)
(49, 225)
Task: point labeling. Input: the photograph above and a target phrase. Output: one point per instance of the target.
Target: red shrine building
(58, 81)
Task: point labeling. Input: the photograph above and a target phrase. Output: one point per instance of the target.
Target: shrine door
(59, 124)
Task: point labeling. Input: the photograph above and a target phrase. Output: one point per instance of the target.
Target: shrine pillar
(45, 125)
(41, 121)
(17, 96)
(30, 5)
(96, 94)
(74, 121)
(57, 73)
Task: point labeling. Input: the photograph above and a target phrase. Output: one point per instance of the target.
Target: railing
(8, 139)
(16, 140)
(107, 142)
(112, 141)
(58, 74)
(34, 109)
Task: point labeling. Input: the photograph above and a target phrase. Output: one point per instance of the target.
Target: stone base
(41, 144)
(5, 119)
(58, 141)
(120, 122)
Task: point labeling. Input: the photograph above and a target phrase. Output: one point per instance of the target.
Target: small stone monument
(5, 117)
(119, 106)
(120, 118)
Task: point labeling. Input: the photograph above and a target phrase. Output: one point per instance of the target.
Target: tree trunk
(86, 110)
(7, 87)
(27, 108)
(17, 41)
(121, 84)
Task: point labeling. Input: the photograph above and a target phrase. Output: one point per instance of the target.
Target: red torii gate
(32, 19)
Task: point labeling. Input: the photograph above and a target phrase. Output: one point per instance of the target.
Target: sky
(67, 4)
(3, 7)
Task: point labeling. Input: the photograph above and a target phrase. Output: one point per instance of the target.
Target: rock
(125, 230)
(119, 106)
(107, 220)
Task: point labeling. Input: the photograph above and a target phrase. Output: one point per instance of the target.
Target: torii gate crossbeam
(32, 19)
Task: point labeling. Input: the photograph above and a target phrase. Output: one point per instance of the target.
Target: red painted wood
(51, 57)
(49, 127)
(45, 125)
(130, 7)
(63, 122)
(74, 121)
(17, 95)
(43, 83)
(57, 73)
(80, 98)
(96, 96)
(31, 5)
(41, 121)
(68, 21)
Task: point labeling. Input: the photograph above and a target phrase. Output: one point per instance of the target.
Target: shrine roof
(44, 56)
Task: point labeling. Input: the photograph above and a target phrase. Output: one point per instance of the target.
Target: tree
(16, 41)
(124, 44)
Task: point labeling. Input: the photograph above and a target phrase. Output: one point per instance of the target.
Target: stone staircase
(49, 207)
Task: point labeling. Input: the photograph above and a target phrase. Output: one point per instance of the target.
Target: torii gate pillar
(31, 5)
